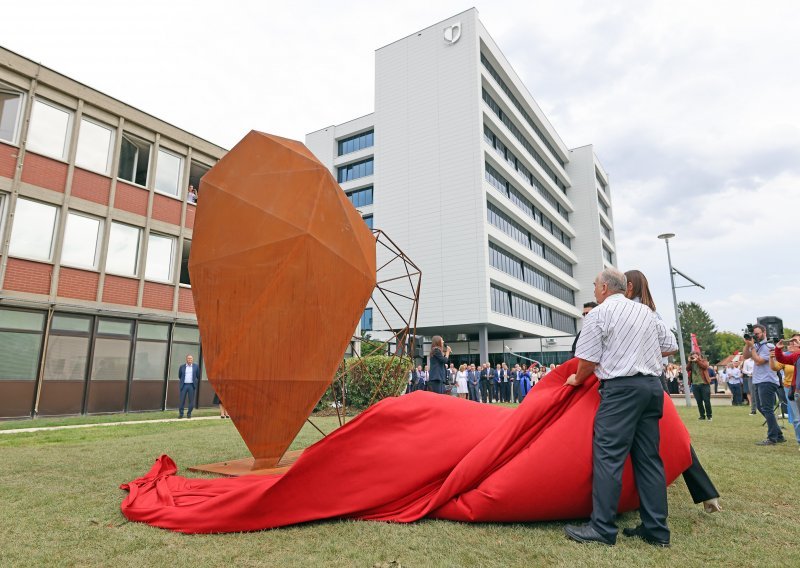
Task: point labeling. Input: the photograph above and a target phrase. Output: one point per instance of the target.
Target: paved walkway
(127, 422)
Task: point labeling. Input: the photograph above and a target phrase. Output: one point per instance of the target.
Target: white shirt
(188, 374)
(624, 338)
(747, 366)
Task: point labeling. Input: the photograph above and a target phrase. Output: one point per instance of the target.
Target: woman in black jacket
(440, 358)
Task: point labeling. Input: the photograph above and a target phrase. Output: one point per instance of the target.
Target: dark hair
(761, 327)
(590, 305)
(639, 288)
(437, 343)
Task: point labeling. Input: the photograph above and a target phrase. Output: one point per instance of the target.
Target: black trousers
(436, 386)
(627, 423)
(486, 391)
(702, 394)
(698, 482)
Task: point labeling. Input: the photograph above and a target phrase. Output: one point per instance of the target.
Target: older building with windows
(460, 167)
(96, 309)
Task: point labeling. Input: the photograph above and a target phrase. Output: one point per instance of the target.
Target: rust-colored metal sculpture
(282, 266)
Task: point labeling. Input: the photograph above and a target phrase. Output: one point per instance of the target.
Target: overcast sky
(693, 106)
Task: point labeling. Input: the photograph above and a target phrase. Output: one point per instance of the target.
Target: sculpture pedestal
(249, 466)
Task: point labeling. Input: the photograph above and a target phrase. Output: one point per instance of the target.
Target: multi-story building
(96, 309)
(460, 166)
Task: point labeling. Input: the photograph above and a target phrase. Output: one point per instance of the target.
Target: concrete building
(460, 167)
(96, 309)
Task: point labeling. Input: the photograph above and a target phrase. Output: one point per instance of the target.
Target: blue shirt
(762, 373)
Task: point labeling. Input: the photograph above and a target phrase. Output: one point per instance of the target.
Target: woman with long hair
(697, 480)
(440, 358)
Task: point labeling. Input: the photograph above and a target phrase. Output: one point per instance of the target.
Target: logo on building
(452, 33)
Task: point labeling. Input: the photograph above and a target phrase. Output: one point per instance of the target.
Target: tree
(728, 343)
(694, 319)
(788, 332)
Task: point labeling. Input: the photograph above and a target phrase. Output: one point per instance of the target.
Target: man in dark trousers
(189, 377)
(486, 387)
(622, 343)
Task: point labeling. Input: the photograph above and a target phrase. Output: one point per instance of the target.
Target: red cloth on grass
(419, 455)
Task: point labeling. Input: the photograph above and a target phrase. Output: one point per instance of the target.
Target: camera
(748, 332)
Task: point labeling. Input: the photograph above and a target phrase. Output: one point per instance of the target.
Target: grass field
(59, 506)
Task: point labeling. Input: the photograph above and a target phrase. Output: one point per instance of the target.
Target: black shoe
(702, 418)
(780, 441)
(766, 442)
(639, 532)
(586, 534)
(189, 416)
(180, 416)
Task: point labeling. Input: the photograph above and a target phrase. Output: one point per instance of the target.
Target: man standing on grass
(765, 382)
(189, 377)
(622, 343)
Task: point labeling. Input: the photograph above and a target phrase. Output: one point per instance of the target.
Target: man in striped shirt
(622, 343)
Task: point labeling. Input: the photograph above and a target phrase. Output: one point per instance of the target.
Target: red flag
(695, 345)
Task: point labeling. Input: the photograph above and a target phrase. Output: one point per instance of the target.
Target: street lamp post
(672, 271)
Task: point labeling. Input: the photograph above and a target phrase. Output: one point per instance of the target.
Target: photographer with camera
(700, 380)
(765, 381)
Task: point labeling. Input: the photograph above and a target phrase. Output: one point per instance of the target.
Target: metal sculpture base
(249, 466)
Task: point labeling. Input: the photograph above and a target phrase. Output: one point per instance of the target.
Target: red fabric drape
(419, 455)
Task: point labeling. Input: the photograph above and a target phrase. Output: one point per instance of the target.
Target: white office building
(462, 169)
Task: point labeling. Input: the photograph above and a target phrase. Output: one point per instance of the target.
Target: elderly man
(622, 343)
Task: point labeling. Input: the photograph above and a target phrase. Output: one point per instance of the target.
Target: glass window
(168, 172)
(63, 322)
(368, 221)
(49, 129)
(356, 170)
(95, 142)
(196, 173)
(357, 142)
(134, 160)
(19, 355)
(114, 327)
(187, 247)
(67, 357)
(361, 197)
(153, 331)
(81, 241)
(366, 320)
(20, 320)
(186, 334)
(160, 251)
(179, 353)
(150, 360)
(32, 231)
(10, 110)
(110, 360)
(123, 250)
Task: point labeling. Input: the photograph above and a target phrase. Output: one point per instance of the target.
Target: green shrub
(363, 381)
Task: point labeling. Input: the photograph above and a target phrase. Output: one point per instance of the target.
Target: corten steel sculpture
(282, 266)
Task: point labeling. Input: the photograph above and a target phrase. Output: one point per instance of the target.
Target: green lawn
(59, 506)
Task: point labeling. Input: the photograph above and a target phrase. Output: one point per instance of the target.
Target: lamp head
(666, 236)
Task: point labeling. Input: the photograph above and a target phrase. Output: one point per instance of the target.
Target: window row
(355, 170)
(357, 142)
(517, 133)
(361, 197)
(508, 303)
(521, 270)
(520, 234)
(33, 236)
(91, 363)
(496, 76)
(606, 230)
(368, 221)
(520, 168)
(602, 203)
(506, 188)
(49, 134)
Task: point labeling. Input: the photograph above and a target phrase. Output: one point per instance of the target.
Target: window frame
(173, 240)
(16, 128)
(98, 242)
(132, 138)
(137, 265)
(111, 145)
(179, 184)
(57, 211)
(67, 133)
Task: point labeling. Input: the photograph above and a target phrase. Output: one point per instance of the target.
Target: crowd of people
(484, 383)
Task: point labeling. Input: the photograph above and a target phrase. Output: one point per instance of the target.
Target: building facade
(460, 167)
(96, 219)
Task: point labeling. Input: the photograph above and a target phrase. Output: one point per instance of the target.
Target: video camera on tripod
(772, 324)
